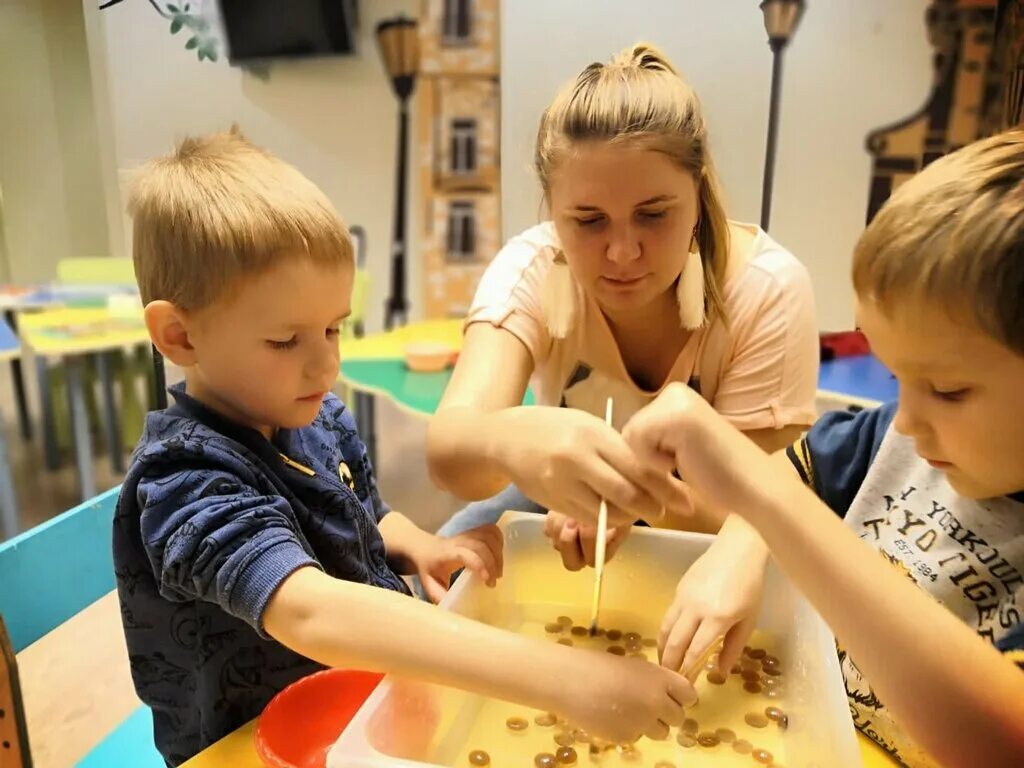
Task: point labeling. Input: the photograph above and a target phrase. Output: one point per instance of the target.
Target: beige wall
(854, 65)
(53, 203)
(335, 118)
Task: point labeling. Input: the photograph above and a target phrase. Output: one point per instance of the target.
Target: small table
(860, 382)
(14, 300)
(10, 350)
(72, 334)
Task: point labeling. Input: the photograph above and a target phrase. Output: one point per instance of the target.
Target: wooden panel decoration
(14, 751)
(977, 90)
(457, 148)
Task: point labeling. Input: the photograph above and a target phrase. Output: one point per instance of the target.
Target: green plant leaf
(201, 53)
(174, 8)
(212, 54)
(192, 43)
(187, 6)
(201, 25)
(176, 25)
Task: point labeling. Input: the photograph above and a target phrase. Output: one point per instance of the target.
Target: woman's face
(625, 217)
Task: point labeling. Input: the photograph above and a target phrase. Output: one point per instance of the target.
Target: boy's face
(960, 395)
(267, 353)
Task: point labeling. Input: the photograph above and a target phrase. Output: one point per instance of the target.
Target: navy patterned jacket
(211, 519)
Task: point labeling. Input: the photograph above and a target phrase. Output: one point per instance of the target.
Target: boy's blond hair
(639, 99)
(218, 208)
(954, 234)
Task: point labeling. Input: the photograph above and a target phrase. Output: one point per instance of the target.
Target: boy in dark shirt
(250, 543)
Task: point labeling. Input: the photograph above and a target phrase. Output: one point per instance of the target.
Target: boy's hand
(680, 430)
(577, 543)
(621, 699)
(719, 595)
(479, 550)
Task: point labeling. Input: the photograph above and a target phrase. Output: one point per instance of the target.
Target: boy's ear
(168, 328)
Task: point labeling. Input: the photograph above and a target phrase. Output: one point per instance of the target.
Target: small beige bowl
(429, 357)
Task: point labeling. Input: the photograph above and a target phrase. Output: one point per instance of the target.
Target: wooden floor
(76, 681)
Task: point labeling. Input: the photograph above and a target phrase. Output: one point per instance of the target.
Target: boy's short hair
(218, 208)
(954, 234)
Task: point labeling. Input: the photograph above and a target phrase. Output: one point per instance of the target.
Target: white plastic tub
(407, 724)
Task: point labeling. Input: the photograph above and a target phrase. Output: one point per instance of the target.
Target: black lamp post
(780, 21)
(399, 44)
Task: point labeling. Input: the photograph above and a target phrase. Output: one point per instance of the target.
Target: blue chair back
(51, 572)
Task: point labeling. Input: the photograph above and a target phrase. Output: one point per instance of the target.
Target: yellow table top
(55, 332)
(239, 751)
(391, 344)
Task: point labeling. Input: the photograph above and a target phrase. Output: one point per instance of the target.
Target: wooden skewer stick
(600, 544)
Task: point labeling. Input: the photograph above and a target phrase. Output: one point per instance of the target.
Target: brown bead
(545, 760)
(649, 642)
(707, 739)
(565, 621)
(632, 647)
(771, 660)
(746, 650)
(564, 641)
(618, 650)
(773, 693)
(774, 713)
(763, 756)
(715, 677)
(565, 739)
(725, 735)
(755, 720)
(750, 676)
(784, 722)
(479, 758)
(742, 746)
(517, 724)
(614, 635)
(736, 669)
(773, 671)
(546, 720)
(689, 727)
(686, 740)
(752, 687)
(566, 756)
(757, 653)
(553, 628)
(631, 637)
(771, 682)
(579, 631)
(582, 737)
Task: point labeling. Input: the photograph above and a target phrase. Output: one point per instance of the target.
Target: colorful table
(72, 334)
(860, 381)
(17, 299)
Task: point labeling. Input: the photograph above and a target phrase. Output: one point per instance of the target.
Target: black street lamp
(781, 18)
(399, 44)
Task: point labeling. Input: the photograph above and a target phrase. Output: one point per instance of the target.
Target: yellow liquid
(719, 706)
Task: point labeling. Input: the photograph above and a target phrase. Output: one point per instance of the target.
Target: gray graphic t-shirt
(968, 554)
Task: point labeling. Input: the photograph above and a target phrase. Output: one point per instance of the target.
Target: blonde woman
(638, 280)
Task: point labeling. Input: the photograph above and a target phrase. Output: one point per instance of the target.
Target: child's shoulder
(170, 438)
(834, 456)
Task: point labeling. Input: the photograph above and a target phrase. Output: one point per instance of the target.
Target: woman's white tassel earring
(690, 288)
(559, 297)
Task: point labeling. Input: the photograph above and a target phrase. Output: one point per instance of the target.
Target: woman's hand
(568, 460)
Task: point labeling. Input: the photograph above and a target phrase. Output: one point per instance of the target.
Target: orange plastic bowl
(300, 725)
